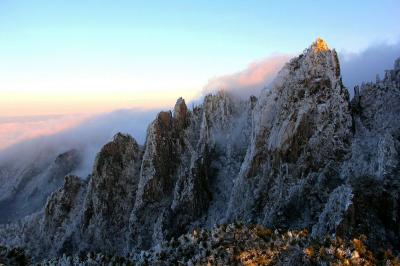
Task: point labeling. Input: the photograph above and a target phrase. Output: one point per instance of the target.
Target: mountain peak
(181, 111)
(319, 59)
(320, 45)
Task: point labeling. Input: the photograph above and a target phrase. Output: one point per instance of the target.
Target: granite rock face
(61, 216)
(111, 192)
(300, 156)
(301, 132)
(182, 176)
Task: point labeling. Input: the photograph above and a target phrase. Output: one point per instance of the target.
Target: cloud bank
(364, 66)
(251, 80)
(88, 137)
(16, 129)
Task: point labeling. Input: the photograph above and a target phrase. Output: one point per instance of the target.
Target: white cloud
(17, 129)
(249, 81)
(86, 135)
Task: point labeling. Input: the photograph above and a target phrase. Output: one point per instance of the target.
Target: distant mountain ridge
(26, 188)
(299, 156)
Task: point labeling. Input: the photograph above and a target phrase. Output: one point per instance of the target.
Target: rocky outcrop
(334, 212)
(300, 156)
(50, 232)
(162, 156)
(85, 215)
(57, 233)
(111, 193)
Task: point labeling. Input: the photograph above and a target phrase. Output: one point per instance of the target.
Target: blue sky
(73, 56)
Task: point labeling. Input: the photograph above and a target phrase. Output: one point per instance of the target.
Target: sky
(63, 59)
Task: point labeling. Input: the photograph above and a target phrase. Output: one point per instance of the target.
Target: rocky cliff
(301, 156)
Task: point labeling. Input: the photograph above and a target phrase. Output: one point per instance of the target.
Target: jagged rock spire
(111, 193)
(320, 60)
(320, 45)
(180, 111)
(306, 106)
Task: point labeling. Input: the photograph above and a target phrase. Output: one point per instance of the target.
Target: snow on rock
(334, 212)
(111, 193)
(301, 130)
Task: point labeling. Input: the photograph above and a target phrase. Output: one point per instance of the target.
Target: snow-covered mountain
(298, 156)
